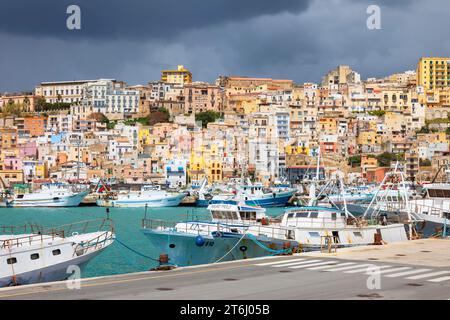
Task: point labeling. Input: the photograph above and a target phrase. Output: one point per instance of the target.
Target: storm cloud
(133, 40)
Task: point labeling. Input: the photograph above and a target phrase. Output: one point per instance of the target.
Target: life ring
(243, 248)
(218, 234)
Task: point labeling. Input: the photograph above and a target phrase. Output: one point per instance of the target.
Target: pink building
(11, 162)
(28, 149)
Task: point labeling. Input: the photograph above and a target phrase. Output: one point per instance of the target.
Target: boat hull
(183, 249)
(269, 200)
(65, 201)
(172, 201)
(51, 273)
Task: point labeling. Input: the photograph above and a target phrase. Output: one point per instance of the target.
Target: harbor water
(127, 221)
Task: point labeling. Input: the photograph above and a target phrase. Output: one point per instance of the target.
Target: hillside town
(175, 130)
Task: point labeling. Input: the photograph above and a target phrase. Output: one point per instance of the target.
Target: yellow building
(433, 72)
(144, 136)
(215, 172)
(41, 171)
(197, 166)
(179, 76)
(328, 125)
(295, 150)
(369, 138)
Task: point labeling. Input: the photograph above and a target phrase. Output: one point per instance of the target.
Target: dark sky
(132, 40)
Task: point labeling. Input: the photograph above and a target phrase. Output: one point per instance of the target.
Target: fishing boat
(222, 238)
(432, 209)
(50, 195)
(256, 194)
(250, 194)
(32, 254)
(148, 196)
(316, 227)
(328, 225)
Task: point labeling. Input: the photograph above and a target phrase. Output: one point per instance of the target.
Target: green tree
(378, 113)
(207, 117)
(385, 159)
(354, 161)
(12, 109)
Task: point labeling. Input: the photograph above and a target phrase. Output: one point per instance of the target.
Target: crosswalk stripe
(354, 265)
(439, 279)
(394, 270)
(367, 269)
(312, 265)
(331, 266)
(407, 273)
(428, 275)
(295, 263)
(277, 262)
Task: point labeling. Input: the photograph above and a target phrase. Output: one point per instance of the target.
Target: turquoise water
(115, 259)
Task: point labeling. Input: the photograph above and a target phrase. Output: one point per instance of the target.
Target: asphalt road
(297, 277)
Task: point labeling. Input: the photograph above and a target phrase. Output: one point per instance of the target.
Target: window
(314, 234)
(301, 215)
(34, 256)
(11, 260)
(56, 252)
(314, 215)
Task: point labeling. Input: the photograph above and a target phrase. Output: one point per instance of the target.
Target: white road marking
(439, 279)
(407, 273)
(278, 262)
(348, 268)
(394, 270)
(428, 275)
(367, 269)
(332, 266)
(295, 263)
(312, 265)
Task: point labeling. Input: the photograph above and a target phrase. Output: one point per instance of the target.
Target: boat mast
(312, 187)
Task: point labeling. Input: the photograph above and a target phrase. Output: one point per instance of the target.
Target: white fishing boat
(148, 196)
(222, 238)
(432, 209)
(30, 254)
(317, 226)
(50, 195)
(314, 227)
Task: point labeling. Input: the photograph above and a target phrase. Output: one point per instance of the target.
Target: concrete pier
(413, 270)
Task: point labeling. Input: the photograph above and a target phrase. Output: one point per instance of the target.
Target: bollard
(163, 259)
(377, 239)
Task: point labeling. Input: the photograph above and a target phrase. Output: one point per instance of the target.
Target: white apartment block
(63, 91)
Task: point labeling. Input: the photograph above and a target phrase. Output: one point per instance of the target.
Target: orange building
(35, 125)
(376, 175)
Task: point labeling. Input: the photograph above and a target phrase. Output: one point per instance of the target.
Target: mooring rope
(135, 251)
(232, 248)
(261, 245)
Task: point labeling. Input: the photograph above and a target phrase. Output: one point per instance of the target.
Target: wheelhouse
(220, 212)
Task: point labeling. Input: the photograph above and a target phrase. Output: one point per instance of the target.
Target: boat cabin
(314, 217)
(229, 212)
(437, 190)
(150, 187)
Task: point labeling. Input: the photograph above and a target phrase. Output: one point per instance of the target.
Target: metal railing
(39, 234)
(207, 228)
